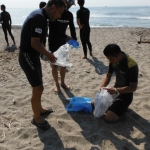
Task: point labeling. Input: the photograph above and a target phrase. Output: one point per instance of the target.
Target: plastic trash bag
(80, 104)
(73, 43)
(102, 101)
(62, 56)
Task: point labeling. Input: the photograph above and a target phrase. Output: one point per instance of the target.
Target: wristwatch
(116, 91)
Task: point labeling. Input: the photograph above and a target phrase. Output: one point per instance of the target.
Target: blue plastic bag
(73, 43)
(80, 104)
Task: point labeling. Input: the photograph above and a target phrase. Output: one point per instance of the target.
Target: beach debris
(14, 102)
(140, 74)
(7, 126)
(59, 122)
(2, 137)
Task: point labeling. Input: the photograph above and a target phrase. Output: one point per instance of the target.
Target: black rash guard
(126, 71)
(34, 26)
(57, 30)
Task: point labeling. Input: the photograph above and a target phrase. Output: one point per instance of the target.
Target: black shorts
(31, 66)
(121, 105)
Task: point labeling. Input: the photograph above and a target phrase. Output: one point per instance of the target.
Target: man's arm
(10, 20)
(36, 44)
(72, 28)
(106, 80)
(127, 89)
(79, 24)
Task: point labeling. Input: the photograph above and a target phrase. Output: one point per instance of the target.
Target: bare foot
(84, 57)
(43, 110)
(67, 87)
(57, 89)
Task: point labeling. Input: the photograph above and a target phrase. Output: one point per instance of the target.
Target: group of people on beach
(32, 45)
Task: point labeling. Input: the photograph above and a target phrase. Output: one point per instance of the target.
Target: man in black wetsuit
(126, 72)
(6, 25)
(31, 46)
(83, 15)
(58, 37)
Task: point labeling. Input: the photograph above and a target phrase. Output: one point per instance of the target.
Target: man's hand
(81, 26)
(110, 90)
(51, 58)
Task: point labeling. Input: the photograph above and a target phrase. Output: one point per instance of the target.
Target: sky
(88, 3)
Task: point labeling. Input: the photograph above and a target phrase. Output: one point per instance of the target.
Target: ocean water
(99, 16)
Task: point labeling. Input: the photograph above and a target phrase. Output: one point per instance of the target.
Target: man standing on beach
(58, 37)
(126, 71)
(6, 25)
(83, 15)
(33, 32)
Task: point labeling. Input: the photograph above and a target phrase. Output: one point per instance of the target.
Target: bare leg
(111, 117)
(55, 76)
(36, 102)
(62, 74)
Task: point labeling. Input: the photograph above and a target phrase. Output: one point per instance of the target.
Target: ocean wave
(118, 16)
(144, 18)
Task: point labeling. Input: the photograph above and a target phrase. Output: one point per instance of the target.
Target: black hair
(57, 3)
(81, 2)
(112, 50)
(42, 4)
(3, 6)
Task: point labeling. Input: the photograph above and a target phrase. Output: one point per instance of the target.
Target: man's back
(57, 34)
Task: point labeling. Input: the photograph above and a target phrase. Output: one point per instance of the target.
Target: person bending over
(33, 32)
(126, 72)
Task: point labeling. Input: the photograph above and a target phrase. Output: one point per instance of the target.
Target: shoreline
(93, 27)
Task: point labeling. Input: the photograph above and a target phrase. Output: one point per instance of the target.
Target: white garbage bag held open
(62, 56)
(102, 101)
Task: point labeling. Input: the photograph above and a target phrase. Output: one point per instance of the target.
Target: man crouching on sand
(126, 71)
(33, 33)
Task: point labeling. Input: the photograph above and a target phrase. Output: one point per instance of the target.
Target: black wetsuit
(83, 14)
(34, 26)
(6, 25)
(126, 72)
(57, 31)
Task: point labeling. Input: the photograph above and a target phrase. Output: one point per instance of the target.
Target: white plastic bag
(62, 56)
(102, 101)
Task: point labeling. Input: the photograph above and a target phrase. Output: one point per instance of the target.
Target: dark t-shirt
(83, 14)
(35, 25)
(5, 18)
(126, 71)
(57, 30)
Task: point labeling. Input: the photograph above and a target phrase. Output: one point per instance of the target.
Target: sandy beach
(75, 130)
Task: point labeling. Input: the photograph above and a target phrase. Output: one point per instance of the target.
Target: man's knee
(38, 90)
(111, 117)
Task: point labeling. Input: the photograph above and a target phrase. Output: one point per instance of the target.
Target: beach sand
(76, 130)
